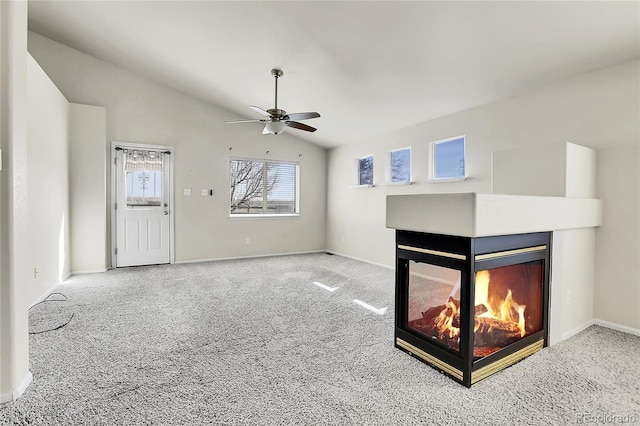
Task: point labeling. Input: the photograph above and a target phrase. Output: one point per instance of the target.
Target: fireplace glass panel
(434, 302)
(508, 305)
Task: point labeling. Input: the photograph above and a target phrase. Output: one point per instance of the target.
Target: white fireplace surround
(549, 187)
(572, 221)
(483, 215)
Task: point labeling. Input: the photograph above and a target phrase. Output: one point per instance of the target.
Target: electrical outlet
(247, 241)
(204, 192)
(187, 191)
(568, 297)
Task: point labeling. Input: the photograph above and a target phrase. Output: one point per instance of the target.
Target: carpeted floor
(256, 342)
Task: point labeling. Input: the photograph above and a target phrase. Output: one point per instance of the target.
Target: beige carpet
(256, 342)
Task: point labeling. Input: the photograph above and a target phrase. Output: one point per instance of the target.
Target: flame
(507, 310)
(482, 289)
(444, 321)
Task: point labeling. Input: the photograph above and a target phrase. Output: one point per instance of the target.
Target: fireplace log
(480, 309)
(430, 314)
(493, 332)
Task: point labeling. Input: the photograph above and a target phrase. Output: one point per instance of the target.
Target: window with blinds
(263, 187)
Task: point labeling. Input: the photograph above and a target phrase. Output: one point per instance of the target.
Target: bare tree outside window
(401, 165)
(365, 171)
(262, 187)
(449, 158)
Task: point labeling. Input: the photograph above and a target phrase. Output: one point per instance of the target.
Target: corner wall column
(14, 214)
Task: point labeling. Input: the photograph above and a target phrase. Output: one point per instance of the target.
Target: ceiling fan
(276, 119)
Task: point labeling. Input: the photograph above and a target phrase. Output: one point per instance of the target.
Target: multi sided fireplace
(471, 306)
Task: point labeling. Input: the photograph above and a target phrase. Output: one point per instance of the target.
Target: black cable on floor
(47, 299)
(53, 329)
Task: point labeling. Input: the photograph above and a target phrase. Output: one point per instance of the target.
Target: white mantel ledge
(481, 215)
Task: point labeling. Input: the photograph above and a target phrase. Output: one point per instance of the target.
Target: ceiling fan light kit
(273, 127)
(275, 118)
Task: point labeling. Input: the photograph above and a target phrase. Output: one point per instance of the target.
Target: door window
(143, 178)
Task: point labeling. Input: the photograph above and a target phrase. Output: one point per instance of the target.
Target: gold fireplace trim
(506, 361)
(434, 252)
(482, 372)
(510, 252)
(430, 359)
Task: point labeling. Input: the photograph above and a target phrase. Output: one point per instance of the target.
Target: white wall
(88, 188)
(48, 135)
(617, 293)
(142, 111)
(572, 282)
(14, 208)
(599, 110)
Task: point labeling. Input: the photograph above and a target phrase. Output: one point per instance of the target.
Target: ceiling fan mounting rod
(276, 73)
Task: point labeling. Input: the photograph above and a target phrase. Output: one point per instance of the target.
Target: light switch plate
(204, 192)
(187, 191)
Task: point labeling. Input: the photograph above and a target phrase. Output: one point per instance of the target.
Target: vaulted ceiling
(368, 67)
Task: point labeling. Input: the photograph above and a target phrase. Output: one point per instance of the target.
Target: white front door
(142, 206)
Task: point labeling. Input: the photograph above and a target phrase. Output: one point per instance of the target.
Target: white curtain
(136, 160)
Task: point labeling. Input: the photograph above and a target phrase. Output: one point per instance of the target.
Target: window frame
(296, 212)
(432, 162)
(390, 167)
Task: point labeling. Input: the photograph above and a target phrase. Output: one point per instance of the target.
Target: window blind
(263, 187)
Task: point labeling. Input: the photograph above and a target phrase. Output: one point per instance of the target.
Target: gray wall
(142, 111)
(598, 110)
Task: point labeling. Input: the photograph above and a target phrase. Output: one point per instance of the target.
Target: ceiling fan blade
(242, 121)
(260, 110)
(300, 126)
(302, 115)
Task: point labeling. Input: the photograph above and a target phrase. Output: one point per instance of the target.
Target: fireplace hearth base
(475, 375)
(471, 307)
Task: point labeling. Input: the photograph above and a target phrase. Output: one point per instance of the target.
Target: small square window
(365, 170)
(400, 165)
(448, 158)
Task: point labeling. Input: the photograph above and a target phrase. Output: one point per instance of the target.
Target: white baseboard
(88, 271)
(360, 260)
(17, 392)
(177, 262)
(601, 323)
(576, 330)
(618, 327)
(432, 278)
(45, 294)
